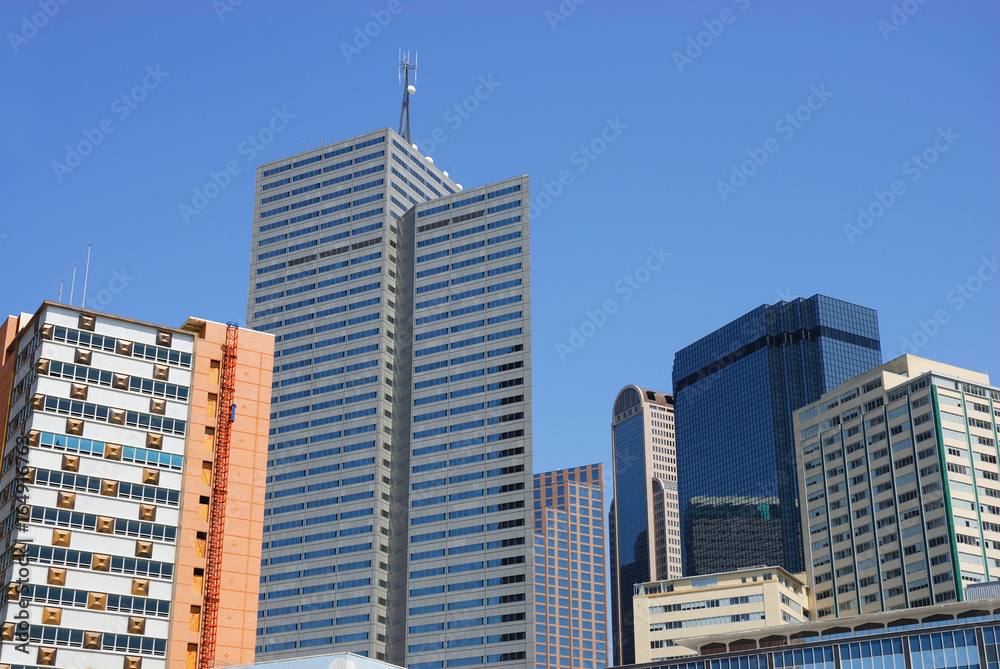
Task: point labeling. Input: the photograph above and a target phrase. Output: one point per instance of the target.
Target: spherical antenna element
(430, 160)
(415, 147)
(459, 186)
(445, 173)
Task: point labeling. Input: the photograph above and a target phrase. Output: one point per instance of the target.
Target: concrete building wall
(945, 636)
(669, 613)
(901, 492)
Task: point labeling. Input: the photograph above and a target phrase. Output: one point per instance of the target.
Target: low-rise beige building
(667, 613)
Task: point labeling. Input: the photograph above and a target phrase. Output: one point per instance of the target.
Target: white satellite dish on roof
(429, 159)
(445, 173)
(459, 186)
(411, 89)
(415, 147)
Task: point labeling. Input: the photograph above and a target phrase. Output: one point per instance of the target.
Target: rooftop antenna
(408, 89)
(86, 275)
(72, 286)
(321, 141)
(304, 148)
(61, 282)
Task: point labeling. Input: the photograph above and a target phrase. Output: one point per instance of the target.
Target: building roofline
(908, 368)
(191, 327)
(91, 312)
(768, 306)
(851, 622)
(568, 469)
(734, 572)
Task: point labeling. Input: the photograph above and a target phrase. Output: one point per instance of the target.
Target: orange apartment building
(131, 490)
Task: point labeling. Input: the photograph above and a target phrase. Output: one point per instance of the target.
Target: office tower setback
(570, 600)
(735, 392)
(668, 613)
(399, 479)
(643, 525)
(130, 541)
(901, 488)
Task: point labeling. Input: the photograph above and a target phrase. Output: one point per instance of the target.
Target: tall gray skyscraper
(397, 504)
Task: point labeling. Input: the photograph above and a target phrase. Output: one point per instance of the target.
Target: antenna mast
(86, 275)
(408, 89)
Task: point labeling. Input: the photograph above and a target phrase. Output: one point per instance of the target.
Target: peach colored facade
(8, 331)
(237, 627)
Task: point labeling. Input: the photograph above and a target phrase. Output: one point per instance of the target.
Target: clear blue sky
(678, 126)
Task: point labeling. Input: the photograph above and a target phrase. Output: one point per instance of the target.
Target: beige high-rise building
(900, 487)
(667, 613)
(644, 523)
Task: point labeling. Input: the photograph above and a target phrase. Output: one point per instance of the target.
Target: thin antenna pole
(404, 77)
(72, 286)
(321, 141)
(61, 282)
(86, 275)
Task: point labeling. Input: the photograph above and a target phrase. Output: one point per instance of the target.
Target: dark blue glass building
(735, 391)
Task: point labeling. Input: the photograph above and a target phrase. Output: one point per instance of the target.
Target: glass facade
(644, 527)
(938, 644)
(570, 597)
(735, 391)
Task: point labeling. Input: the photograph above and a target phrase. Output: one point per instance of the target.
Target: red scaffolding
(217, 516)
